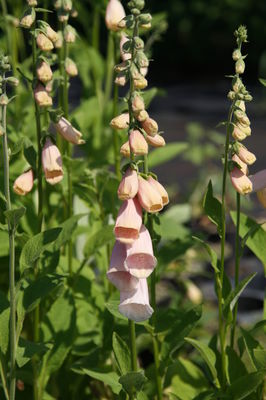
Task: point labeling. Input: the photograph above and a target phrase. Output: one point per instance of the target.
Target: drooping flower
(129, 185)
(240, 181)
(120, 122)
(44, 72)
(160, 189)
(148, 196)
(125, 149)
(114, 13)
(51, 34)
(246, 156)
(137, 143)
(129, 221)
(69, 34)
(69, 133)
(52, 163)
(243, 166)
(71, 67)
(258, 180)
(44, 43)
(28, 18)
(42, 97)
(156, 141)
(24, 183)
(150, 126)
(140, 260)
(135, 305)
(117, 272)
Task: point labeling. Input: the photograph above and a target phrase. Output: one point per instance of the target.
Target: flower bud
(155, 141)
(52, 163)
(68, 132)
(139, 4)
(142, 116)
(114, 14)
(142, 60)
(243, 166)
(59, 43)
(240, 181)
(240, 132)
(41, 96)
(44, 72)
(74, 13)
(240, 66)
(261, 194)
(124, 55)
(236, 55)
(69, 34)
(3, 100)
(245, 155)
(28, 18)
(137, 143)
(63, 15)
(12, 81)
(129, 185)
(71, 68)
(242, 117)
(148, 197)
(160, 189)
(231, 95)
(137, 103)
(51, 34)
(145, 19)
(237, 84)
(120, 122)
(128, 222)
(121, 80)
(241, 104)
(140, 83)
(125, 149)
(67, 5)
(150, 126)
(24, 183)
(138, 43)
(126, 22)
(32, 3)
(44, 43)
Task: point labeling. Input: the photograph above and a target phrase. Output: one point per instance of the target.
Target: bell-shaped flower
(42, 97)
(129, 221)
(68, 132)
(113, 15)
(243, 166)
(155, 141)
(129, 185)
(140, 260)
(160, 189)
(44, 43)
(137, 143)
(258, 180)
(135, 305)
(125, 149)
(24, 183)
(240, 181)
(246, 156)
(117, 272)
(150, 126)
(52, 163)
(44, 72)
(71, 67)
(148, 196)
(120, 122)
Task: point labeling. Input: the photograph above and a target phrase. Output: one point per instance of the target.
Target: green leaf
(112, 307)
(108, 378)
(262, 81)
(171, 220)
(213, 208)
(122, 354)
(207, 354)
(233, 297)
(68, 227)
(13, 216)
(164, 154)
(4, 323)
(30, 153)
(257, 238)
(215, 263)
(35, 246)
(244, 386)
(98, 239)
(26, 350)
(133, 382)
(259, 356)
(235, 368)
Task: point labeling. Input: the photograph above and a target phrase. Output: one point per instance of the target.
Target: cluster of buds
(241, 157)
(65, 9)
(132, 260)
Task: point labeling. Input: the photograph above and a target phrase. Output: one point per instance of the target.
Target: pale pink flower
(259, 180)
(142, 115)
(129, 221)
(125, 149)
(44, 43)
(71, 67)
(140, 82)
(150, 126)
(240, 181)
(135, 305)
(243, 165)
(246, 156)
(120, 80)
(125, 56)
(117, 272)
(138, 143)
(129, 185)
(160, 189)
(120, 122)
(24, 183)
(44, 72)
(138, 104)
(148, 196)
(156, 141)
(51, 34)
(52, 163)
(42, 97)
(69, 133)
(140, 260)
(114, 13)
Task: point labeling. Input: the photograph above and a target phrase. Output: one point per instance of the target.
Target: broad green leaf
(245, 385)
(132, 382)
(180, 213)
(122, 354)
(35, 246)
(164, 154)
(171, 220)
(215, 263)
(30, 153)
(235, 366)
(256, 240)
(259, 356)
(13, 216)
(112, 307)
(26, 350)
(142, 396)
(207, 354)
(233, 297)
(68, 228)
(213, 208)
(4, 323)
(98, 239)
(108, 378)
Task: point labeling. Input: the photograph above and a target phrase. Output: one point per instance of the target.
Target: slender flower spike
(68, 132)
(24, 183)
(52, 163)
(129, 185)
(156, 141)
(240, 181)
(140, 259)
(246, 156)
(114, 13)
(44, 72)
(117, 273)
(160, 189)
(42, 97)
(149, 198)
(120, 122)
(135, 305)
(129, 221)
(137, 143)
(44, 43)
(259, 180)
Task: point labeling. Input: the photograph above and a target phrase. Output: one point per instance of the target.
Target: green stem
(133, 349)
(115, 111)
(11, 233)
(96, 28)
(7, 28)
(237, 264)
(109, 68)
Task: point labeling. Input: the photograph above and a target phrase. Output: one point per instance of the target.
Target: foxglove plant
(139, 190)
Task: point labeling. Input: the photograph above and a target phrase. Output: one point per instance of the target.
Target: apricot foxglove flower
(117, 273)
(52, 163)
(44, 43)
(135, 304)
(140, 260)
(240, 181)
(129, 221)
(160, 189)
(71, 67)
(137, 143)
(44, 72)
(141, 116)
(68, 132)
(149, 198)
(155, 141)
(42, 97)
(120, 122)
(125, 149)
(243, 166)
(28, 18)
(69, 34)
(150, 126)
(24, 183)
(114, 13)
(259, 180)
(245, 155)
(129, 185)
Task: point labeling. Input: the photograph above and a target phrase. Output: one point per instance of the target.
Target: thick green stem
(12, 290)
(237, 264)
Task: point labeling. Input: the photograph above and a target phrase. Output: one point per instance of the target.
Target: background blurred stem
(115, 112)
(109, 68)
(96, 28)
(11, 233)
(7, 29)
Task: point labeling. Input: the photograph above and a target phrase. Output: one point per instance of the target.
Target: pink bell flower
(68, 132)
(129, 221)
(240, 181)
(129, 185)
(243, 165)
(138, 143)
(258, 180)
(24, 183)
(160, 189)
(148, 196)
(114, 13)
(155, 141)
(246, 156)
(52, 163)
